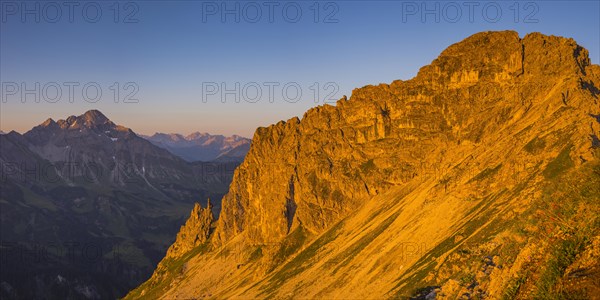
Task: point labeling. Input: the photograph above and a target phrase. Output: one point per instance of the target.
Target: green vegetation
(302, 260)
(337, 197)
(256, 254)
(36, 200)
(352, 251)
(132, 254)
(512, 289)
(562, 256)
(117, 225)
(293, 242)
(535, 145)
(367, 166)
(560, 164)
(479, 216)
(571, 205)
(168, 270)
(320, 187)
(488, 172)
(466, 279)
(425, 265)
(568, 218)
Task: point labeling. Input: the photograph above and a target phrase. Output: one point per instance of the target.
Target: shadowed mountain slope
(88, 208)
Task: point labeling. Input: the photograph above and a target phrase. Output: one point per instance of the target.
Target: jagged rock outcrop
(396, 190)
(336, 157)
(194, 232)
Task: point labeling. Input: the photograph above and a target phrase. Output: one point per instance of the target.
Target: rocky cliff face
(392, 192)
(313, 172)
(194, 232)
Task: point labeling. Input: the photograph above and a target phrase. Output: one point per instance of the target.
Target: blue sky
(171, 53)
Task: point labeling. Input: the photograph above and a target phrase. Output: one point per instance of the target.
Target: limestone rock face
(312, 172)
(397, 189)
(194, 232)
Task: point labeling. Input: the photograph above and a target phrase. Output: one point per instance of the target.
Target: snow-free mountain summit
(479, 177)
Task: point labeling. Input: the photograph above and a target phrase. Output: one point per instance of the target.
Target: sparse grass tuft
(562, 256)
(560, 164)
(466, 279)
(167, 271)
(535, 146)
(488, 172)
(512, 289)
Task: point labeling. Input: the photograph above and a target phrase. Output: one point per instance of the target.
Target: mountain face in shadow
(88, 207)
(478, 178)
(203, 146)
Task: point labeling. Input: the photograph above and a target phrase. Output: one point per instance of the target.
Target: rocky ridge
(403, 183)
(194, 232)
(317, 170)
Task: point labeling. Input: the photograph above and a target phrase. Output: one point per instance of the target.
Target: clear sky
(177, 57)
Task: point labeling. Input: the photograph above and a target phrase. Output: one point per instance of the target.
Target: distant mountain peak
(94, 117)
(92, 122)
(82, 174)
(196, 135)
(202, 146)
(48, 122)
(90, 119)
(166, 137)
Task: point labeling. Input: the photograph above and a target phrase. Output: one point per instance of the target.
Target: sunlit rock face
(438, 185)
(312, 172)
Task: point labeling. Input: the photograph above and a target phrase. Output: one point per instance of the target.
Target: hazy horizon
(186, 133)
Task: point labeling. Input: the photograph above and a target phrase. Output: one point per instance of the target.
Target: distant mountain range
(203, 146)
(88, 207)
